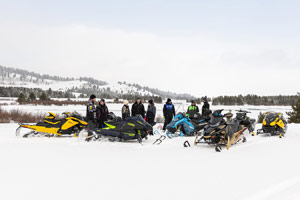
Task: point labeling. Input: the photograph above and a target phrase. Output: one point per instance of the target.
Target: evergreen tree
(21, 98)
(43, 97)
(261, 117)
(32, 96)
(294, 116)
(49, 92)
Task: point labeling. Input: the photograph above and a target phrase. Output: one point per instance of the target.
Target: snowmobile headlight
(83, 134)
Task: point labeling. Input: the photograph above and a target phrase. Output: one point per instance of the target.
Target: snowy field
(263, 168)
(180, 106)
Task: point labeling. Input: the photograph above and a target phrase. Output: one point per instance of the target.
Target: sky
(200, 47)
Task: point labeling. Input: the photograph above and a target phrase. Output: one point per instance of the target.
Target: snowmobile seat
(112, 117)
(228, 115)
(195, 116)
(233, 127)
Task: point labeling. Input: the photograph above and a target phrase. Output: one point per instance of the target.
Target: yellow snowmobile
(274, 124)
(70, 125)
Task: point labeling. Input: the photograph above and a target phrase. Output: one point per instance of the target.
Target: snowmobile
(116, 129)
(244, 120)
(185, 125)
(227, 132)
(70, 125)
(274, 124)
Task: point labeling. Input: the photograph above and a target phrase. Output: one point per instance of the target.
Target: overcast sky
(206, 47)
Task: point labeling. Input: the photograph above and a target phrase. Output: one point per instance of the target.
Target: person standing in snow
(101, 113)
(205, 107)
(151, 112)
(138, 108)
(125, 110)
(193, 109)
(91, 112)
(169, 112)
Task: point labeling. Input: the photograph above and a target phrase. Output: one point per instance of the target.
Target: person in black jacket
(169, 112)
(125, 110)
(91, 112)
(205, 107)
(151, 112)
(102, 113)
(138, 108)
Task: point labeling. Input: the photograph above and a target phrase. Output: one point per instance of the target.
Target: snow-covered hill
(16, 80)
(22, 78)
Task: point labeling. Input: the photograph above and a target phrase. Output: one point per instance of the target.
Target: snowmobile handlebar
(243, 111)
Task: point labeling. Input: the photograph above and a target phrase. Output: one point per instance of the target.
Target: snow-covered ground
(264, 168)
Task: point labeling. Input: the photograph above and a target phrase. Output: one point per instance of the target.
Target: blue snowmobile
(185, 125)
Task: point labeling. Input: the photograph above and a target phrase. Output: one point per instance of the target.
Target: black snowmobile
(132, 128)
(226, 132)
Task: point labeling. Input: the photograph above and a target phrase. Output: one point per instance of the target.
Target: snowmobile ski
(159, 140)
(186, 144)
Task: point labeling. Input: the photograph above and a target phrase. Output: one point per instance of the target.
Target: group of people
(96, 115)
(139, 109)
(194, 109)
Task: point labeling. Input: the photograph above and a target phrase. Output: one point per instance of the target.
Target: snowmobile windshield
(240, 116)
(178, 116)
(215, 120)
(271, 117)
(111, 116)
(140, 118)
(75, 113)
(218, 113)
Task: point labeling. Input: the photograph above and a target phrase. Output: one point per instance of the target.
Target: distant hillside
(82, 86)
(13, 74)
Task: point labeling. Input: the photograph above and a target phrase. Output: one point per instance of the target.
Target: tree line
(106, 93)
(16, 91)
(280, 100)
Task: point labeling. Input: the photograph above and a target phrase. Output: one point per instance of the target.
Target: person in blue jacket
(169, 112)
